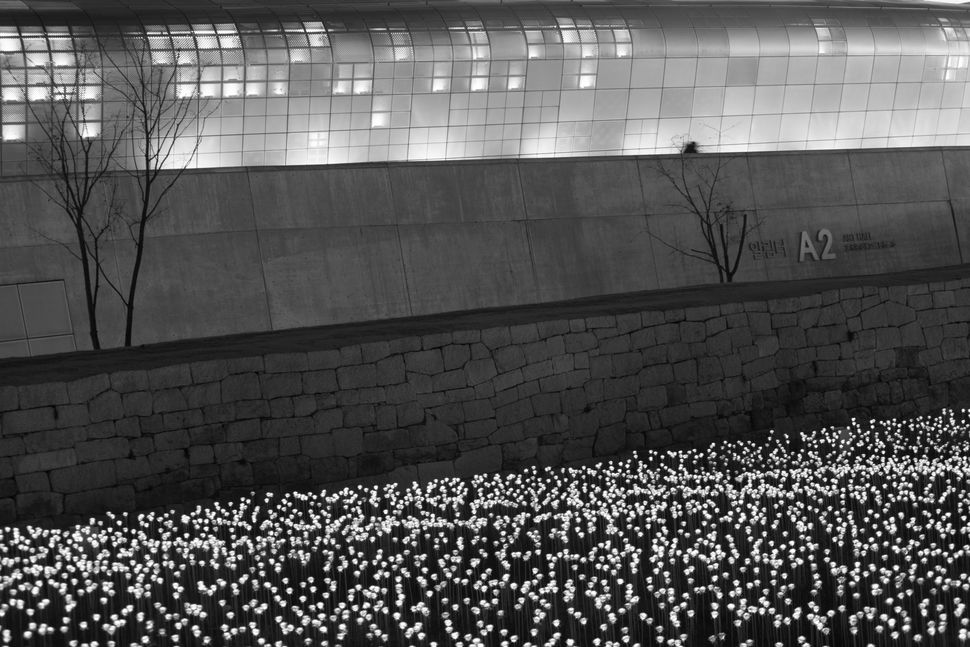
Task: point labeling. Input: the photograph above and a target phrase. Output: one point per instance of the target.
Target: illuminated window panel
(454, 82)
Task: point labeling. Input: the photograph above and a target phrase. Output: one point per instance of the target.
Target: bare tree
(159, 85)
(75, 152)
(697, 180)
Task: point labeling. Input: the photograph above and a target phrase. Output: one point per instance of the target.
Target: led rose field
(843, 537)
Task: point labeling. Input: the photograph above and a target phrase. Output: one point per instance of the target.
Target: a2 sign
(807, 248)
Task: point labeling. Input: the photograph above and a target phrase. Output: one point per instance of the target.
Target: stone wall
(469, 401)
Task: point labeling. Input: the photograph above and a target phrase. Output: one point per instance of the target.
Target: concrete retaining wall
(469, 401)
(245, 250)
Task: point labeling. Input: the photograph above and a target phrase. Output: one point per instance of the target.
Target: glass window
(881, 96)
(772, 70)
(676, 102)
(903, 123)
(711, 71)
(768, 99)
(680, 42)
(765, 128)
(826, 98)
(801, 69)
(822, 126)
(907, 96)
(859, 41)
(858, 69)
(712, 42)
(679, 72)
(743, 41)
(576, 105)
(854, 97)
(648, 43)
(794, 127)
(742, 71)
(886, 41)
(352, 47)
(798, 98)
(931, 95)
(773, 41)
(647, 73)
(885, 69)
(508, 45)
(613, 73)
(611, 104)
(738, 100)
(644, 103)
(708, 102)
(831, 69)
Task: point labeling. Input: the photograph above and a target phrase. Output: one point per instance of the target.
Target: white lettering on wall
(807, 248)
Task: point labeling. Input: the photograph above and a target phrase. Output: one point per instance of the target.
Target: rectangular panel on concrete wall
(321, 197)
(664, 181)
(778, 245)
(465, 266)
(681, 253)
(45, 309)
(490, 191)
(898, 176)
(581, 188)
(895, 241)
(956, 164)
(801, 179)
(586, 257)
(42, 263)
(425, 193)
(49, 345)
(11, 316)
(197, 286)
(203, 202)
(332, 275)
(29, 217)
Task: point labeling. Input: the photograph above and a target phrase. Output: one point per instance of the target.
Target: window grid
(519, 81)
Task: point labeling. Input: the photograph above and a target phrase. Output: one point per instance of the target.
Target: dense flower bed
(840, 537)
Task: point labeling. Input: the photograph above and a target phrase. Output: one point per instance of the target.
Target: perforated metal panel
(331, 82)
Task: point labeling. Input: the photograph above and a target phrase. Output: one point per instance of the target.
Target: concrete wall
(273, 248)
(467, 401)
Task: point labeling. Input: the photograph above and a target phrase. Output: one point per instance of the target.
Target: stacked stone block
(469, 401)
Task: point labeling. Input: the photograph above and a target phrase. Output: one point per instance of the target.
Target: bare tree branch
(697, 180)
(165, 113)
(75, 152)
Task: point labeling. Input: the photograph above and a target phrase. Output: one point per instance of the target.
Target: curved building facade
(328, 84)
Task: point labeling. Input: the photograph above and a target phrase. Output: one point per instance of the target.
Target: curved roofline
(40, 12)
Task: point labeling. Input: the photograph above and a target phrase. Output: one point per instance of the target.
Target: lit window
(516, 82)
(363, 86)
(380, 120)
(831, 36)
(440, 85)
(479, 84)
(341, 87)
(12, 93)
(209, 90)
(13, 132)
(90, 129)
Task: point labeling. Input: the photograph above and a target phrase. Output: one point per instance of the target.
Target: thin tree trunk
(90, 301)
(136, 268)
